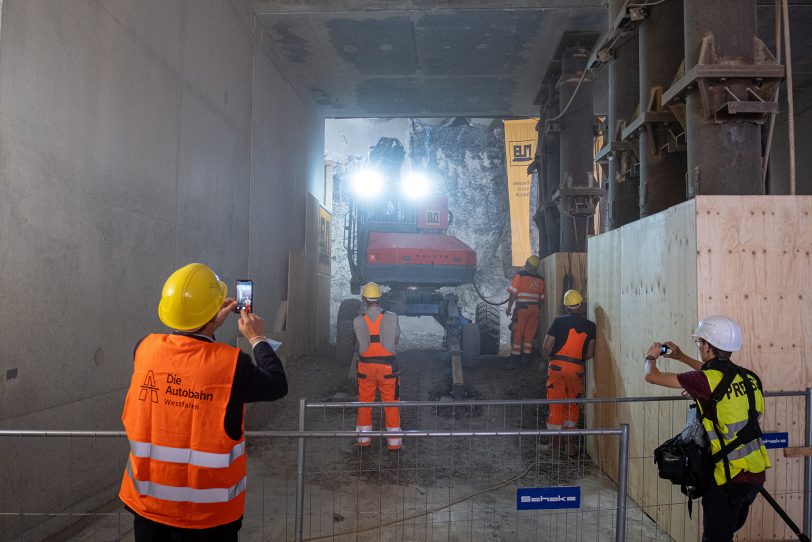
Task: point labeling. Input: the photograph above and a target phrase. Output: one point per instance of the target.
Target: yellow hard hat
(533, 261)
(371, 291)
(191, 297)
(572, 298)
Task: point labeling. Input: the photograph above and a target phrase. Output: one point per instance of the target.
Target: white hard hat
(720, 331)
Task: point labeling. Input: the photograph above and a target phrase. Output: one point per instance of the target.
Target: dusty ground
(434, 489)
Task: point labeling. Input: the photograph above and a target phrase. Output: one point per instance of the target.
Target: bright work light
(367, 183)
(415, 186)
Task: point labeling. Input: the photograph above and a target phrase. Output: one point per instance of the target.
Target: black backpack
(686, 462)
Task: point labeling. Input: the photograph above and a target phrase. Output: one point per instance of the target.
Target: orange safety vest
(528, 289)
(183, 469)
(375, 349)
(573, 348)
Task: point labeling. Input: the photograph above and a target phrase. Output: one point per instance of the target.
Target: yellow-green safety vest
(732, 411)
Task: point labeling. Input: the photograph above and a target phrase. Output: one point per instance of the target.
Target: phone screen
(245, 295)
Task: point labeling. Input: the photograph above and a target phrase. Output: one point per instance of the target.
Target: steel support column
(622, 201)
(662, 168)
(724, 157)
(575, 146)
(550, 225)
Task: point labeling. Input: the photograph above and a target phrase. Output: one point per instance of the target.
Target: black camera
(664, 349)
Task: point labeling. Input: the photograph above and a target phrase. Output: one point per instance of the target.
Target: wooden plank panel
(322, 314)
(753, 261)
(301, 303)
(603, 374)
(642, 280)
(554, 268)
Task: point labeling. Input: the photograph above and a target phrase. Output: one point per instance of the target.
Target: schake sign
(775, 440)
(547, 498)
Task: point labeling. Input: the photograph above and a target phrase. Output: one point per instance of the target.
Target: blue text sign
(775, 440)
(546, 498)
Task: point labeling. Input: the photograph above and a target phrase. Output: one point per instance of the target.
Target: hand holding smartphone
(245, 296)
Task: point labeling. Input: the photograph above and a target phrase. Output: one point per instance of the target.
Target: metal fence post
(300, 474)
(622, 482)
(808, 467)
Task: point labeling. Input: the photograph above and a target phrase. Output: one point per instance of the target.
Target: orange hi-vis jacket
(376, 349)
(574, 349)
(183, 469)
(528, 289)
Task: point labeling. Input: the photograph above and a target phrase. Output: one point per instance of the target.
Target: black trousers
(724, 510)
(147, 530)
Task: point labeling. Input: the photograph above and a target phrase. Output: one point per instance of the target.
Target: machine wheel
(348, 310)
(345, 341)
(469, 343)
(487, 318)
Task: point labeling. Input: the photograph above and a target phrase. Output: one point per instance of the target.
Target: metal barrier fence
(457, 478)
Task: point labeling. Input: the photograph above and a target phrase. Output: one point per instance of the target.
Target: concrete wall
(135, 137)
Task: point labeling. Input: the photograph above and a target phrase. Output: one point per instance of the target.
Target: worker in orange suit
(526, 291)
(378, 333)
(569, 343)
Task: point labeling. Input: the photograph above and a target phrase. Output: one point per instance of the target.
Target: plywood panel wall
(753, 262)
(744, 256)
(642, 278)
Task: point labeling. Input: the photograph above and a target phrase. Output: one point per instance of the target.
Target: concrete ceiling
(424, 58)
(432, 58)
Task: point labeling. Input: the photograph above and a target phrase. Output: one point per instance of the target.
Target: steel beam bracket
(731, 89)
(578, 200)
(663, 125)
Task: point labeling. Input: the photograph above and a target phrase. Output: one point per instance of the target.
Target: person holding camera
(186, 473)
(729, 415)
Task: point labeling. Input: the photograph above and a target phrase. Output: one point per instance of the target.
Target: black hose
(482, 297)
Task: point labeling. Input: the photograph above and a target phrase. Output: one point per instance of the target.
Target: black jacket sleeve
(265, 381)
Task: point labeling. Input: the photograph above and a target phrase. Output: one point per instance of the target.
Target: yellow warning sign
(520, 151)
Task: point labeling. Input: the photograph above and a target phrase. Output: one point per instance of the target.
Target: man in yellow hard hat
(186, 476)
(526, 290)
(569, 343)
(378, 334)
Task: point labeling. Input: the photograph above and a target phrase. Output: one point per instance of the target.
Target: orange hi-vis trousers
(565, 380)
(524, 329)
(372, 377)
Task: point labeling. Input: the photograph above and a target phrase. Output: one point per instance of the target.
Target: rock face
(466, 160)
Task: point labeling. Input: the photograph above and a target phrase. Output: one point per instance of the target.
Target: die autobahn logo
(174, 389)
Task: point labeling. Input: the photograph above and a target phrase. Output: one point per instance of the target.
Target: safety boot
(552, 445)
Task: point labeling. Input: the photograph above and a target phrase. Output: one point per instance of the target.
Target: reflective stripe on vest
(197, 458)
(573, 346)
(186, 494)
(183, 468)
(732, 411)
(527, 288)
(375, 348)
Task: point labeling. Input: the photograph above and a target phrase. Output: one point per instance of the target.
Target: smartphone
(245, 295)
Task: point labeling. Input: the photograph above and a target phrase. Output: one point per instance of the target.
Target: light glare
(415, 186)
(367, 183)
